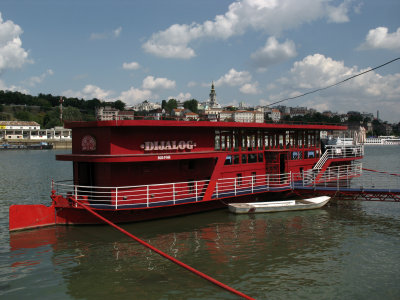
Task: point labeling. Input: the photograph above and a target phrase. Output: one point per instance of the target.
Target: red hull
(34, 216)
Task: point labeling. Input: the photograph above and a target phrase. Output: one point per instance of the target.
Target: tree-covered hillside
(44, 109)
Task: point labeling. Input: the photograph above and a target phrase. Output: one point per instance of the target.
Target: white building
(275, 115)
(108, 113)
(146, 106)
(246, 116)
(25, 130)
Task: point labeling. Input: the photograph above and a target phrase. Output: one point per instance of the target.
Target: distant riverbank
(57, 144)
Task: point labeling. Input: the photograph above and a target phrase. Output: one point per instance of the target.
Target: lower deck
(169, 194)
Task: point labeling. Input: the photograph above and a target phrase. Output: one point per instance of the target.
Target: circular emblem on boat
(88, 143)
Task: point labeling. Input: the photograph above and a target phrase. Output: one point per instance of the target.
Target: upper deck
(143, 140)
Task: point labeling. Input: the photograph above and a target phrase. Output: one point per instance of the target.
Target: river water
(344, 251)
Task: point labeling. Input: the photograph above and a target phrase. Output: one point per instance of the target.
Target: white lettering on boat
(162, 157)
(167, 145)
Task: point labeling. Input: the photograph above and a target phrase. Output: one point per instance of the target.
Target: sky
(255, 51)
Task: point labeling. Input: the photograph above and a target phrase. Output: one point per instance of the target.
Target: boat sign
(168, 145)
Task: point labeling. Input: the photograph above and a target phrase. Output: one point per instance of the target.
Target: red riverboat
(134, 170)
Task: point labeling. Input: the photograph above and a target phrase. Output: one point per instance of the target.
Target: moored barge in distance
(133, 170)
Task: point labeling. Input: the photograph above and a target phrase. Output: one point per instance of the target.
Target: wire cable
(335, 84)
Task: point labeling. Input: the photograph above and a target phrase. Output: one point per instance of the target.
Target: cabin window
(228, 160)
(217, 140)
(295, 155)
(239, 179)
(266, 140)
(228, 142)
(311, 154)
(280, 141)
(223, 142)
(252, 158)
(235, 141)
(244, 158)
(300, 139)
(236, 159)
(260, 157)
(259, 141)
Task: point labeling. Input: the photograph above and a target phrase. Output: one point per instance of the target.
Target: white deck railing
(193, 191)
(342, 151)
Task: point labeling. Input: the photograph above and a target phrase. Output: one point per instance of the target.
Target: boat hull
(278, 206)
(33, 216)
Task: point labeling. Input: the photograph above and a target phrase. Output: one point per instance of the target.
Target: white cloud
(182, 97)
(34, 80)
(130, 66)
(379, 38)
(234, 78)
(12, 88)
(89, 92)
(12, 55)
(192, 84)
(269, 16)
(250, 88)
(338, 14)
(273, 53)
(152, 83)
(134, 96)
(117, 32)
(368, 92)
(106, 35)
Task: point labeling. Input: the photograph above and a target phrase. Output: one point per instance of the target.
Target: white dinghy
(276, 206)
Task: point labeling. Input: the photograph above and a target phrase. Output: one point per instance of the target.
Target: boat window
(295, 155)
(280, 141)
(236, 159)
(259, 140)
(228, 160)
(244, 138)
(235, 141)
(223, 142)
(300, 139)
(311, 154)
(252, 158)
(266, 140)
(260, 157)
(217, 140)
(244, 159)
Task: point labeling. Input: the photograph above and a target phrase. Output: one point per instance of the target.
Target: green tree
(191, 105)
(72, 114)
(171, 104)
(119, 105)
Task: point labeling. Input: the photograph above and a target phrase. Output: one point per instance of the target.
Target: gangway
(370, 185)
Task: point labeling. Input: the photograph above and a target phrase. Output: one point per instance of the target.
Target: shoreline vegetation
(44, 109)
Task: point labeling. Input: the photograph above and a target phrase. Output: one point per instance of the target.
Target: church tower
(213, 98)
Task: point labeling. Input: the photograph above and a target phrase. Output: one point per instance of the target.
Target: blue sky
(255, 51)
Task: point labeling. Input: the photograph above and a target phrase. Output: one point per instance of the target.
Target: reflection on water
(263, 255)
(343, 251)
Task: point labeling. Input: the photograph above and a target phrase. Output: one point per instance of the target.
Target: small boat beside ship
(278, 206)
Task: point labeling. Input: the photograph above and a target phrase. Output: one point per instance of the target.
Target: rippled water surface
(344, 251)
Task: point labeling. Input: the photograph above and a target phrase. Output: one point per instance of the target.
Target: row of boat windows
(259, 157)
(252, 140)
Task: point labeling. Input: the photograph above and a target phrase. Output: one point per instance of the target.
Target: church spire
(213, 96)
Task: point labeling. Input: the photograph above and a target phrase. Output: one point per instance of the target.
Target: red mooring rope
(178, 262)
(393, 174)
